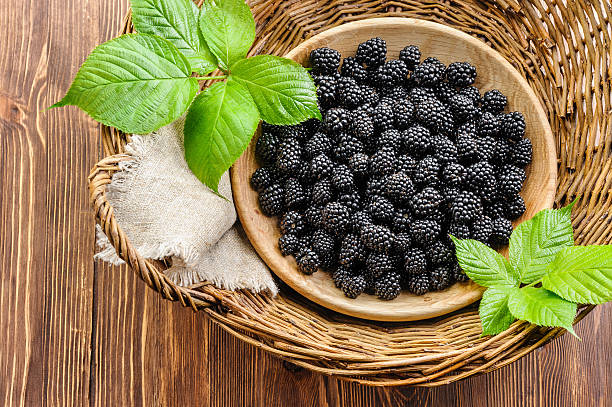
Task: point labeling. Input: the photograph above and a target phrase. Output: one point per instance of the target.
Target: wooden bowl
(448, 45)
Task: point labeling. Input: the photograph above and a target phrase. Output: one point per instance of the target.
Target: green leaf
(581, 274)
(535, 243)
(282, 89)
(494, 313)
(136, 83)
(229, 29)
(218, 128)
(484, 265)
(542, 307)
(176, 21)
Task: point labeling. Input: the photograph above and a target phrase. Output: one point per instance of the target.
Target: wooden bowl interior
(448, 45)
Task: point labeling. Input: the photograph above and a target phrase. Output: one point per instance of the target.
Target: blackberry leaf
(542, 307)
(495, 316)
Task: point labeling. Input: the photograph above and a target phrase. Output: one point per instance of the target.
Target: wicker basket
(562, 50)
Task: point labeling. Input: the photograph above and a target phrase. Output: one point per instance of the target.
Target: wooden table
(76, 332)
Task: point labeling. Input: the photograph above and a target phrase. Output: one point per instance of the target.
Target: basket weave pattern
(562, 49)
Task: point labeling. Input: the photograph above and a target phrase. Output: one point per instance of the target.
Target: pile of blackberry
(408, 152)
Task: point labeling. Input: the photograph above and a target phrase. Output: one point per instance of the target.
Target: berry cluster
(407, 153)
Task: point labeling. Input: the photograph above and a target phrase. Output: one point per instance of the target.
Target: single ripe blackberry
(468, 128)
(401, 243)
(450, 193)
(337, 119)
(405, 163)
(515, 207)
(272, 200)
(424, 231)
(462, 107)
(292, 222)
(415, 261)
(502, 229)
(511, 179)
(418, 94)
(359, 164)
(453, 174)
(458, 274)
(342, 178)
(378, 264)
(513, 125)
(391, 73)
(430, 112)
(288, 244)
(488, 124)
(417, 140)
(289, 156)
(440, 218)
(494, 101)
(376, 185)
(336, 217)
(419, 284)
(352, 68)
(308, 261)
(402, 219)
(459, 230)
(439, 253)
(441, 277)
(371, 97)
(352, 250)
(326, 90)
(362, 124)
(387, 287)
(325, 60)
(291, 132)
(322, 192)
(429, 72)
(262, 178)
(319, 143)
(353, 285)
(399, 188)
(403, 113)
(411, 55)
(486, 146)
(295, 195)
(521, 153)
(321, 166)
(398, 93)
(381, 162)
(482, 229)
(266, 148)
(423, 203)
(501, 151)
(376, 237)
(496, 209)
(390, 138)
(466, 207)
(382, 115)
(445, 151)
(314, 216)
(340, 275)
(347, 146)
(467, 148)
(381, 209)
(323, 242)
(360, 219)
(372, 52)
(351, 200)
(351, 96)
(444, 92)
(461, 74)
(473, 93)
(427, 171)
(481, 176)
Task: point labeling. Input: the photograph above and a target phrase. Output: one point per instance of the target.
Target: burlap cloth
(166, 212)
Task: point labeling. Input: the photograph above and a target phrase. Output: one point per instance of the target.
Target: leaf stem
(207, 78)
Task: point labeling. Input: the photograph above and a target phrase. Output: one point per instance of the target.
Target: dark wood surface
(77, 332)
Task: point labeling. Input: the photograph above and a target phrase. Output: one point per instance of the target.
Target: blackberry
(353, 285)
(494, 101)
(351, 96)
(429, 72)
(351, 250)
(417, 140)
(381, 161)
(388, 286)
(496, 209)
(347, 146)
(308, 261)
(362, 124)
(439, 253)
(461, 74)
(445, 151)
(323, 242)
(351, 200)
(382, 115)
(468, 128)
(322, 192)
(291, 132)
(376, 186)
(405, 163)
(360, 219)
(371, 97)
(391, 73)
(351, 68)
(515, 207)
(521, 153)
(292, 222)
(402, 242)
(289, 156)
(335, 217)
(271, 200)
(441, 277)
(511, 179)
(415, 261)
(486, 146)
(340, 275)
(481, 176)
(459, 230)
(337, 119)
(429, 112)
(513, 125)
(295, 196)
(502, 229)
(462, 107)
(342, 178)
(450, 193)
(453, 174)
(419, 284)
(488, 124)
(502, 151)
(372, 52)
(466, 207)
(403, 113)
(482, 229)
(319, 143)
(401, 221)
(377, 238)
(381, 209)
(326, 90)
(473, 93)
(411, 55)
(445, 92)
(427, 170)
(467, 148)
(314, 216)
(359, 163)
(458, 274)
(288, 244)
(266, 148)
(424, 202)
(440, 218)
(321, 166)
(399, 188)
(424, 231)
(378, 264)
(325, 60)
(262, 178)
(419, 94)
(390, 138)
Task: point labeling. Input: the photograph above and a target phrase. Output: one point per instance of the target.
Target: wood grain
(75, 332)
